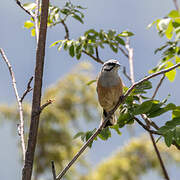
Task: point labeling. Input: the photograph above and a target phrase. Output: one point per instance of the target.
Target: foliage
(133, 160)
(91, 40)
(170, 28)
(56, 15)
(74, 100)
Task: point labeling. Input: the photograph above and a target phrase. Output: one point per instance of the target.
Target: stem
(40, 53)
(21, 127)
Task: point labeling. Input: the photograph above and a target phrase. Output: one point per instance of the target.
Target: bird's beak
(118, 65)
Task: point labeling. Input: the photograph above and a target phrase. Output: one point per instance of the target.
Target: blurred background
(76, 105)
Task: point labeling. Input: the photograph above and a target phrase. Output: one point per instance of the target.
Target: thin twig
(125, 73)
(124, 52)
(158, 86)
(53, 170)
(46, 104)
(28, 89)
(22, 7)
(21, 126)
(36, 19)
(66, 29)
(146, 127)
(159, 157)
(93, 57)
(121, 99)
(97, 53)
(176, 5)
(147, 120)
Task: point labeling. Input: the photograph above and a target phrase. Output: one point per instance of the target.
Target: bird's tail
(112, 120)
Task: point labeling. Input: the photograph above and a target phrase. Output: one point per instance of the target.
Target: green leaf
(168, 138)
(177, 135)
(171, 74)
(77, 17)
(116, 128)
(29, 6)
(169, 30)
(55, 43)
(28, 24)
(72, 50)
(126, 34)
(173, 123)
(174, 14)
(113, 47)
(78, 135)
(120, 40)
(163, 129)
(90, 82)
(143, 108)
(105, 134)
(143, 86)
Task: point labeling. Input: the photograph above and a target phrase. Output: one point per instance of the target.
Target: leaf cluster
(91, 40)
(170, 28)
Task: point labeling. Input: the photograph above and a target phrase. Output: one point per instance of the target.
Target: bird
(109, 89)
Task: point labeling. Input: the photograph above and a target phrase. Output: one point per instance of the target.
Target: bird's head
(111, 65)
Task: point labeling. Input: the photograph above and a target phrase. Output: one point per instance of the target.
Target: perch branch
(22, 7)
(63, 172)
(21, 125)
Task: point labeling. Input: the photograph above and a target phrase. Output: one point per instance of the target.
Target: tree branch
(93, 57)
(28, 89)
(176, 5)
(146, 127)
(53, 170)
(66, 29)
(22, 7)
(124, 52)
(40, 54)
(125, 73)
(121, 99)
(21, 125)
(130, 57)
(158, 86)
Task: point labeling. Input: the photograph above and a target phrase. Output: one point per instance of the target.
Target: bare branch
(21, 125)
(46, 104)
(159, 157)
(125, 73)
(124, 52)
(53, 170)
(97, 53)
(121, 99)
(176, 5)
(130, 57)
(37, 90)
(158, 86)
(93, 57)
(28, 89)
(66, 29)
(22, 7)
(146, 127)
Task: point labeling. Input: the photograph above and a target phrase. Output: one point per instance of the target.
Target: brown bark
(36, 102)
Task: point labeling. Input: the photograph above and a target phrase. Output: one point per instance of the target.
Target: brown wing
(109, 96)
